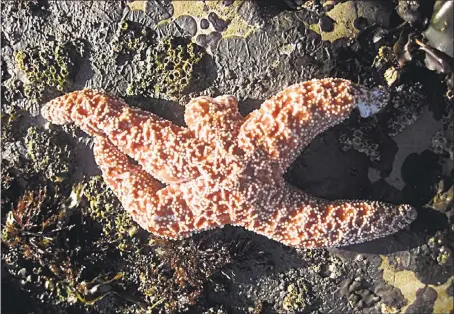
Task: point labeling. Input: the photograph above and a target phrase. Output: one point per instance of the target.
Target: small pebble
(204, 24)
(360, 23)
(213, 38)
(326, 24)
(201, 40)
(188, 23)
(208, 40)
(228, 3)
(328, 6)
(218, 24)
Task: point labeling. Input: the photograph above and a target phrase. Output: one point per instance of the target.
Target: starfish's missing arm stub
(223, 169)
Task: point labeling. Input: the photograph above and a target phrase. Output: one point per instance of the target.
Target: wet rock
(346, 13)
(360, 23)
(209, 40)
(390, 296)
(358, 296)
(420, 173)
(424, 303)
(411, 12)
(326, 24)
(187, 23)
(250, 12)
(440, 32)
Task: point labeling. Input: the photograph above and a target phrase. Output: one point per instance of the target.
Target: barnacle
(116, 223)
(49, 154)
(53, 65)
(361, 140)
(386, 62)
(131, 37)
(167, 68)
(443, 140)
(440, 248)
(407, 104)
(8, 121)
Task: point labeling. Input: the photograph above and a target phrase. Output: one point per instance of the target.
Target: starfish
(225, 169)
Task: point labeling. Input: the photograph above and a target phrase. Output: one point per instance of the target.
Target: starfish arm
(287, 122)
(297, 219)
(167, 151)
(162, 211)
(214, 120)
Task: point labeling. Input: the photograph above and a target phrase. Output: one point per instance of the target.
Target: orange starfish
(225, 169)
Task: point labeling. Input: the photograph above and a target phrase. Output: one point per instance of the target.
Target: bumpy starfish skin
(223, 169)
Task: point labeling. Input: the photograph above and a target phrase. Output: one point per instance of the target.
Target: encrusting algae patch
(236, 25)
(407, 282)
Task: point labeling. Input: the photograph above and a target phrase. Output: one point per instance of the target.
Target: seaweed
(32, 235)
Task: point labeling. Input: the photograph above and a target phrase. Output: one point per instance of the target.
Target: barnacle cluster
(360, 140)
(8, 122)
(34, 7)
(132, 37)
(359, 296)
(443, 140)
(442, 144)
(407, 103)
(48, 153)
(104, 208)
(441, 248)
(53, 65)
(300, 4)
(166, 69)
(387, 63)
(435, 258)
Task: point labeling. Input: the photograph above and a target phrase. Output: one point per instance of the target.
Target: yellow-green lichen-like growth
(48, 154)
(8, 124)
(116, 223)
(132, 37)
(296, 299)
(166, 69)
(52, 65)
